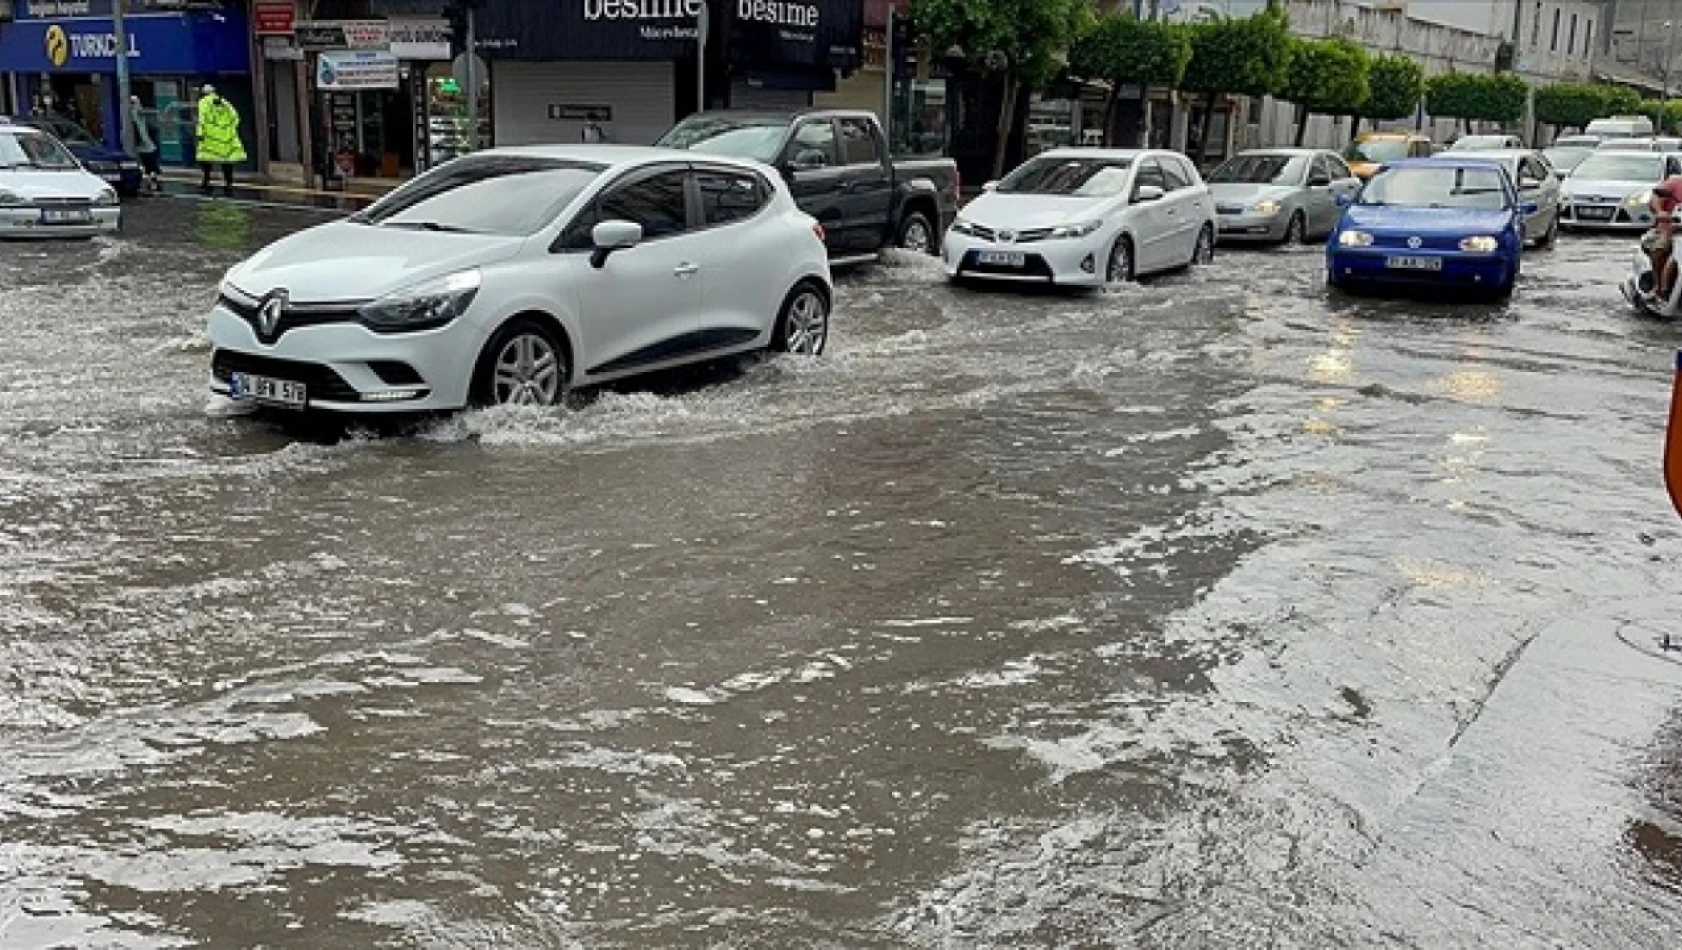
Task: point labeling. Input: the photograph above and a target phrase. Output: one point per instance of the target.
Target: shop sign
(273, 17)
(355, 70)
(812, 33)
(342, 34)
(641, 30)
(281, 49)
(157, 44)
(48, 9)
(418, 37)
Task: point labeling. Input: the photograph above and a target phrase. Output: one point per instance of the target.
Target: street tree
(1022, 44)
(1477, 97)
(1666, 116)
(1326, 76)
(1246, 57)
(1396, 84)
(1572, 105)
(1126, 51)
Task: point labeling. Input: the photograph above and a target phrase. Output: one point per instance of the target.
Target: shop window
(727, 197)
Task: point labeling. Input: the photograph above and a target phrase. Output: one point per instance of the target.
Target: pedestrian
(592, 132)
(218, 139)
(146, 143)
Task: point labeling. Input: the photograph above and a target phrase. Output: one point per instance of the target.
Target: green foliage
(1126, 51)
(1576, 104)
(1248, 57)
(1396, 85)
(1327, 76)
(1665, 118)
(1487, 97)
(1034, 36)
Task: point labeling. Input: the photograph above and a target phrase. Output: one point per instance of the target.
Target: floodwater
(1215, 612)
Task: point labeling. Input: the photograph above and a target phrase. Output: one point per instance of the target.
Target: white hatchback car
(1085, 217)
(46, 193)
(510, 275)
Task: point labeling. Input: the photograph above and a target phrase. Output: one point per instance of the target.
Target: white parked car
(46, 193)
(1085, 218)
(1537, 184)
(510, 275)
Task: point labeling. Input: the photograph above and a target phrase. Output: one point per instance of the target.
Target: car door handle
(687, 270)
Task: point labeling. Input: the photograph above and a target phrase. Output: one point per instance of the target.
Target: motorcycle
(1638, 289)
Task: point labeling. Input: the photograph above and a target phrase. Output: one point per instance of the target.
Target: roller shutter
(640, 96)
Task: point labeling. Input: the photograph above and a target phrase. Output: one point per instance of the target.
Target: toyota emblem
(1414, 242)
(1007, 236)
(270, 312)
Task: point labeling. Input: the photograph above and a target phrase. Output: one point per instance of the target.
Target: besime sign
(778, 13)
(642, 9)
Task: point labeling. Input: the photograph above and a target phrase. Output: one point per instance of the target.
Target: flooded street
(1214, 612)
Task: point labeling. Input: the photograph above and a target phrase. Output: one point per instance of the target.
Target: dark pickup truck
(836, 163)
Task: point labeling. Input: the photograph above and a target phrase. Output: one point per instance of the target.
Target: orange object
(1673, 441)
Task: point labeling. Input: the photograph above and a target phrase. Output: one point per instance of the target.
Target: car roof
(1493, 154)
(1285, 150)
(1390, 136)
(1116, 153)
(1446, 160)
(617, 156)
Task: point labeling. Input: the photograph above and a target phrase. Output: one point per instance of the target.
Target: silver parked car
(1280, 194)
(1537, 184)
(1614, 190)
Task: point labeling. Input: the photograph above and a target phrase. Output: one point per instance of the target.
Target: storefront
(630, 67)
(60, 57)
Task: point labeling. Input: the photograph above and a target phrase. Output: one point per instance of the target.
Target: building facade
(59, 57)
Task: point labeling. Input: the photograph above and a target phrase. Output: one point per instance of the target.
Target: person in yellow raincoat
(218, 138)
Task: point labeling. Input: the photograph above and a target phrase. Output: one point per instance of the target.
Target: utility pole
(125, 115)
(703, 19)
(472, 79)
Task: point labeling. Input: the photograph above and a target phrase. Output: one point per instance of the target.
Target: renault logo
(58, 45)
(1414, 242)
(270, 312)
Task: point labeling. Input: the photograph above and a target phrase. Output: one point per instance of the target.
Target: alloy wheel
(1121, 262)
(807, 323)
(527, 372)
(917, 237)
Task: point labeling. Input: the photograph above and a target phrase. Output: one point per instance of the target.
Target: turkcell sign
(100, 46)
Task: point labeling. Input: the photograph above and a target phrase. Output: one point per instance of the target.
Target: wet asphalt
(1219, 611)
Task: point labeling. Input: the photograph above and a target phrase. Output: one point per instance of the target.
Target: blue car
(119, 171)
(1443, 222)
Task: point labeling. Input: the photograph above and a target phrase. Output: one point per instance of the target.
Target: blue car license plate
(1414, 263)
(66, 216)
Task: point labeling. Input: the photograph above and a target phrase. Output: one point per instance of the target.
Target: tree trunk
(1143, 140)
(1007, 124)
(1302, 124)
(1203, 133)
(1110, 117)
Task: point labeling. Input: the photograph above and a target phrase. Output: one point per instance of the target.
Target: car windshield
(1445, 186)
(1620, 166)
(756, 139)
(1565, 158)
(485, 194)
(1469, 142)
(1076, 177)
(34, 150)
(67, 132)
(1264, 169)
(1377, 151)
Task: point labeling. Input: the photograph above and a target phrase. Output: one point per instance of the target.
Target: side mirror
(1146, 193)
(990, 186)
(809, 159)
(1344, 201)
(610, 236)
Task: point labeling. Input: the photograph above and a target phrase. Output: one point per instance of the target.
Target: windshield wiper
(428, 226)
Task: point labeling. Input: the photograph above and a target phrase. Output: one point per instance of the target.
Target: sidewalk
(181, 183)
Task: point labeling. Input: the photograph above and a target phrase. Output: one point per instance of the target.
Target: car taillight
(817, 229)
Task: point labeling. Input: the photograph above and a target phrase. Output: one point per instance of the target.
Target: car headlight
(1268, 208)
(963, 226)
(107, 197)
(1639, 198)
(429, 304)
(11, 199)
(1077, 230)
(1354, 239)
(1480, 244)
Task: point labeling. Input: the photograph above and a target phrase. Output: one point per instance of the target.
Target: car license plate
(1414, 263)
(1602, 214)
(1004, 258)
(66, 216)
(278, 392)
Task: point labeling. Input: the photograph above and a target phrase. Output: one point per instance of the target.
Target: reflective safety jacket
(218, 131)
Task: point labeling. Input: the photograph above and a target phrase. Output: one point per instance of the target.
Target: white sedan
(46, 193)
(511, 275)
(1085, 218)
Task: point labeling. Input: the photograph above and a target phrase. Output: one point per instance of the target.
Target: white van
(1621, 127)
